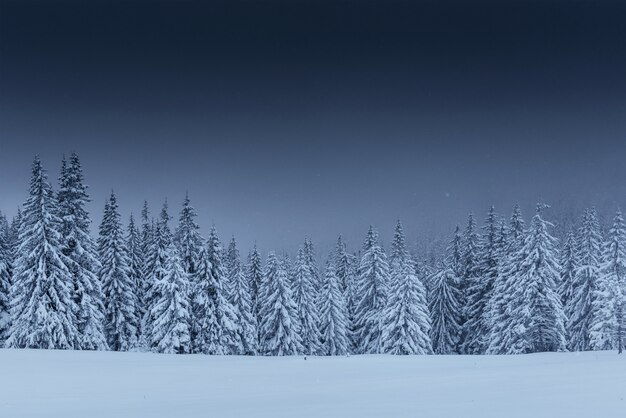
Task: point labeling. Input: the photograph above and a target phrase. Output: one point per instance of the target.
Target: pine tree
(156, 270)
(42, 309)
(471, 275)
(14, 236)
(445, 302)
(310, 259)
(567, 272)
(480, 288)
(586, 277)
(187, 238)
(135, 264)
(614, 272)
(405, 318)
(144, 286)
(82, 255)
(333, 323)
(279, 315)
(171, 331)
(305, 298)
(118, 283)
(239, 297)
(606, 328)
(372, 294)
(347, 272)
(214, 322)
(5, 281)
(536, 321)
(254, 275)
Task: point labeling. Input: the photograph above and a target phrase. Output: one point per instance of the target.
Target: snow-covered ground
(105, 384)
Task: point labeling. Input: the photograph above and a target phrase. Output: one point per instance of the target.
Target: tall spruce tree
(214, 322)
(372, 291)
(42, 309)
(239, 297)
(254, 275)
(82, 255)
(445, 302)
(567, 271)
(187, 238)
(471, 274)
(333, 323)
(586, 277)
(136, 261)
(279, 315)
(171, 311)
(5, 281)
(346, 269)
(118, 282)
(614, 272)
(306, 302)
(536, 320)
(405, 318)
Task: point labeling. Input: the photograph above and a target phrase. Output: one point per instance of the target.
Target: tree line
(505, 288)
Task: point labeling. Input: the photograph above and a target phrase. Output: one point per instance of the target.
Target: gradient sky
(286, 119)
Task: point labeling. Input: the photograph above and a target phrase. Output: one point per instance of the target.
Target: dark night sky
(294, 118)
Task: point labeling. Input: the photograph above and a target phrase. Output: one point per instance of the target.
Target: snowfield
(81, 384)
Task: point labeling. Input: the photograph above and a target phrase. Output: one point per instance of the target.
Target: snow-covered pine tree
(536, 321)
(156, 270)
(306, 297)
(254, 275)
(118, 282)
(14, 235)
(278, 327)
(606, 301)
(42, 308)
(614, 271)
(214, 322)
(405, 317)
(135, 257)
(239, 297)
(346, 269)
(480, 288)
(567, 273)
(5, 282)
(445, 302)
(471, 274)
(82, 255)
(586, 277)
(333, 323)
(311, 261)
(171, 311)
(187, 237)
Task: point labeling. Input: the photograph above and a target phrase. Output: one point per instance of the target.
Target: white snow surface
(68, 384)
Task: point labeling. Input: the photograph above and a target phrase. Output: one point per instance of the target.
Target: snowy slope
(106, 384)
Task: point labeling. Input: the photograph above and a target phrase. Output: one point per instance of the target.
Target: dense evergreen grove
(500, 288)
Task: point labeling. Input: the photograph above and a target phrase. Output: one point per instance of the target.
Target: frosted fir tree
(118, 283)
(305, 297)
(614, 273)
(372, 292)
(135, 264)
(81, 255)
(187, 237)
(346, 269)
(471, 275)
(42, 308)
(405, 317)
(586, 277)
(214, 322)
(568, 267)
(239, 297)
(311, 261)
(333, 323)
(171, 311)
(445, 302)
(511, 248)
(480, 288)
(5, 284)
(278, 328)
(254, 275)
(14, 235)
(606, 328)
(537, 320)
(156, 269)
(455, 256)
